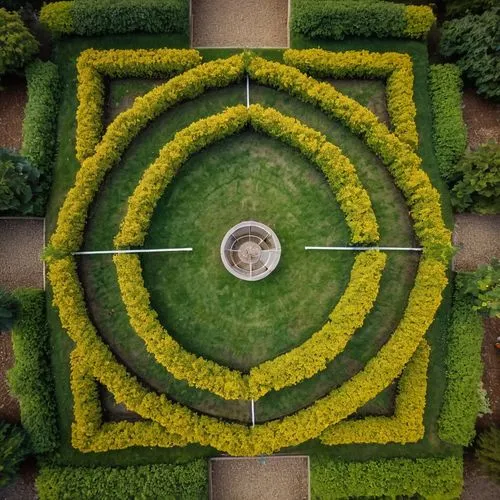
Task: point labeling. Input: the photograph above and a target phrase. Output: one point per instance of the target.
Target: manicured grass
(161, 274)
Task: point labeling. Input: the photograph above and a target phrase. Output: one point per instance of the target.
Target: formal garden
(142, 357)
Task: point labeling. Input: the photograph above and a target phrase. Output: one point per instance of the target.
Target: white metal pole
(149, 250)
(253, 412)
(361, 249)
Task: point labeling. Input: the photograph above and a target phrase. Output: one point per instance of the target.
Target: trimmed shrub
(449, 130)
(488, 451)
(473, 40)
(13, 449)
(31, 378)
(483, 285)
(40, 121)
(338, 19)
(464, 368)
(106, 17)
(426, 477)
(9, 310)
(20, 191)
(170, 482)
(459, 8)
(17, 44)
(476, 183)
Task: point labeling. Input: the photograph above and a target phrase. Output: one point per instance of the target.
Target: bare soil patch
(478, 237)
(265, 478)
(491, 375)
(13, 99)
(21, 245)
(253, 23)
(23, 488)
(477, 483)
(482, 118)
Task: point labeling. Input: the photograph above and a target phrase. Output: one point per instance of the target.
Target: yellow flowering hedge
(419, 20)
(68, 235)
(232, 438)
(181, 422)
(395, 68)
(57, 18)
(407, 423)
(93, 65)
(402, 162)
(287, 369)
(339, 171)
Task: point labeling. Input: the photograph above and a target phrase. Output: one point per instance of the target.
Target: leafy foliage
(40, 122)
(473, 39)
(13, 449)
(17, 44)
(484, 286)
(19, 188)
(488, 451)
(425, 477)
(476, 182)
(9, 310)
(106, 17)
(459, 8)
(338, 19)
(31, 379)
(462, 400)
(169, 482)
(449, 131)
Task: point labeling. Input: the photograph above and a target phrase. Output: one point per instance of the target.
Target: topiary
(475, 41)
(9, 310)
(17, 44)
(484, 285)
(488, 451)
(476, 182)
(19, 185)
(13, 449)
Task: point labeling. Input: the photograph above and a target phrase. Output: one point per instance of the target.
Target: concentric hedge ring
(379, 372)
(349, 313)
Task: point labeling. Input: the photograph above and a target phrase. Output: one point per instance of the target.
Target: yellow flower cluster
(93, 65)
(407, 424)
(419, 20)
(395, 68)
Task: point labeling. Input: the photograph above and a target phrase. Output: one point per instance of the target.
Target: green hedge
(177, 482)
(104, 17)
(464, 368)
(40, 121)
(449, 131)
(363, 18)
(429, 477)
(31, 379)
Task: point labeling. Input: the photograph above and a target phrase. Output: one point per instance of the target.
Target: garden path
(12, 101)
(253, 23)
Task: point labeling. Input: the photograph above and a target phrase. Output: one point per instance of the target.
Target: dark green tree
(9, 310)
(488, 451)
(13, 449)
(484, 286)
(19, 185)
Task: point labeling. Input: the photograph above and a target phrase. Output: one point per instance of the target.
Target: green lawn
(212, 313)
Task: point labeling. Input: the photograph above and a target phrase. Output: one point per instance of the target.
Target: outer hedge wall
(429, 477)
(40, 120)
(449, 131)
(176, 482)
(103, 17)
(464, 369)
(31, 378)
(338, 19)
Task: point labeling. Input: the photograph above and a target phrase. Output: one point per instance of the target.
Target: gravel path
(23, 488)
(253, 23)
(477, 484)
(21, 245)
(482, 118)
(13, 99)
(478, 237)
(269, 478)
